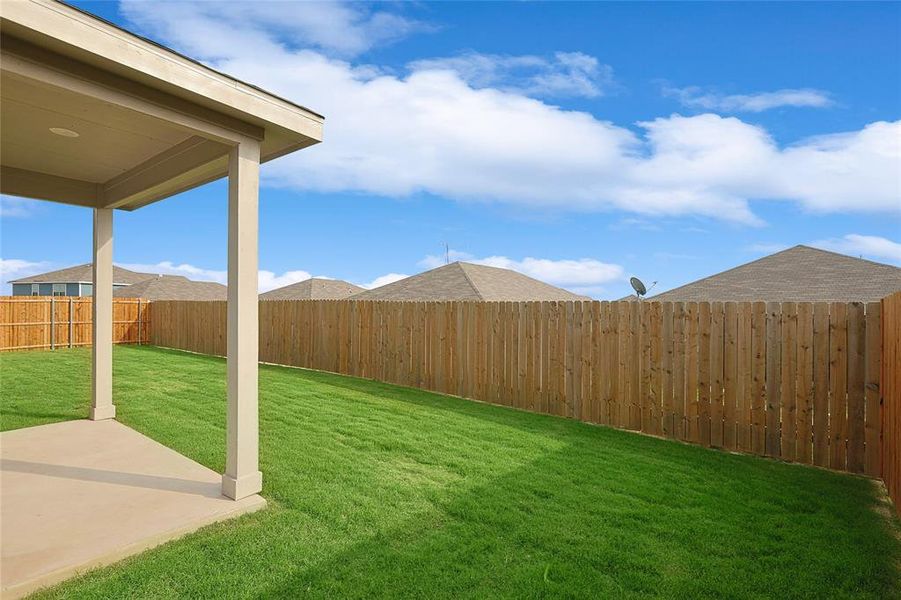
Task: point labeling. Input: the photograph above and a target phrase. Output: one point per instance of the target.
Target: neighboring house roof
(313, 289)
(799, 274)
(82, 274)
(466, 281)
(173, 287)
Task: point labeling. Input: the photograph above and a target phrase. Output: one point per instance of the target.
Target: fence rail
(891, 396)
(796, 381)
(50, 322)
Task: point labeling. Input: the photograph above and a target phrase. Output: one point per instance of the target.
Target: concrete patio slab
(81, 494)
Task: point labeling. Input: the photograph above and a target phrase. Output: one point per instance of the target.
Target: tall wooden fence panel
(48, 322)
(891, 396)
(796, 381)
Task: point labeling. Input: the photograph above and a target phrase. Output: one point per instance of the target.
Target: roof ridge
(469, 280)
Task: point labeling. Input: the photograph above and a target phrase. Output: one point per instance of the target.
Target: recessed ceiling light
(64, 132)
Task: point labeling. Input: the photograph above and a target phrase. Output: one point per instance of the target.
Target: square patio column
(102, 322)
(242, 476)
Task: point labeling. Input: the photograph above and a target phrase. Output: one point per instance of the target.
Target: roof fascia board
(108, 43)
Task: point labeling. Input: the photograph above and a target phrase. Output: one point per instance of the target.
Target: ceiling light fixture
(64, 132)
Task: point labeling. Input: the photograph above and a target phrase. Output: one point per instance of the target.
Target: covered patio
(95, 116)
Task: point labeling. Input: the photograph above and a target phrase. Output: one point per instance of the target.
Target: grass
(382, 491)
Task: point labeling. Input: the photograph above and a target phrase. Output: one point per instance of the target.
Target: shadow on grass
(573, 526)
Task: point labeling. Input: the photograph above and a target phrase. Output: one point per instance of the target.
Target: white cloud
(696, 97)
(16, 268)
(566, 74)
(846, 172)
(577, 273)
(868, 246)
(433, 131)
(12, 207)
(207, 30)
(383, 280)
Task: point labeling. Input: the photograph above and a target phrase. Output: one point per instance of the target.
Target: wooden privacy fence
(48, 322)
(891, 396)
(796, 381)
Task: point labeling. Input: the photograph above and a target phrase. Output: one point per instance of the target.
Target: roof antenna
(639, 287)
(446, 253)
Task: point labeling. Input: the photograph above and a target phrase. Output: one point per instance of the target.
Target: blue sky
(579, 143)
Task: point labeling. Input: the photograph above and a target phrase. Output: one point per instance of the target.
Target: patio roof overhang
(149, 122)
(95, 116)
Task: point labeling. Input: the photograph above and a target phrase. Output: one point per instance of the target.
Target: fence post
(70, 321)
(52, 329)
(140, 326)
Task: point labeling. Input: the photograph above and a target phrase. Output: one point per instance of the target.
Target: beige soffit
(151, 122)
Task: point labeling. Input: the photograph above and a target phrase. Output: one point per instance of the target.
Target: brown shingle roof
(313, 289)
(173, 287)
(799, 274)
(82, 274)
(466, 281)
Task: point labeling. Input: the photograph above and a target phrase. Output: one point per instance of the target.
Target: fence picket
(704, 318)
(788, 378)
(678, 368)
(838, 389)
(856, 371)
(821, 358)
(716, 374)
(873, 427)
(692, 361)
(731, 382)
(804, 388)
(773, 379)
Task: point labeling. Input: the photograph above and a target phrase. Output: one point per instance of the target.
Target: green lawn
(382, 491)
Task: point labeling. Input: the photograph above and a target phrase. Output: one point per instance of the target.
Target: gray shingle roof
(82, 274)
(799, 274)
(173, 287)
(313, 289)
(466, 281)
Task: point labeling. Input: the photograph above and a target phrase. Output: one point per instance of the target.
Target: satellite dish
(639, 287)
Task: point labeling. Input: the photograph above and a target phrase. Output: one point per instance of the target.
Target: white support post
(102, 324)
(242, 476)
